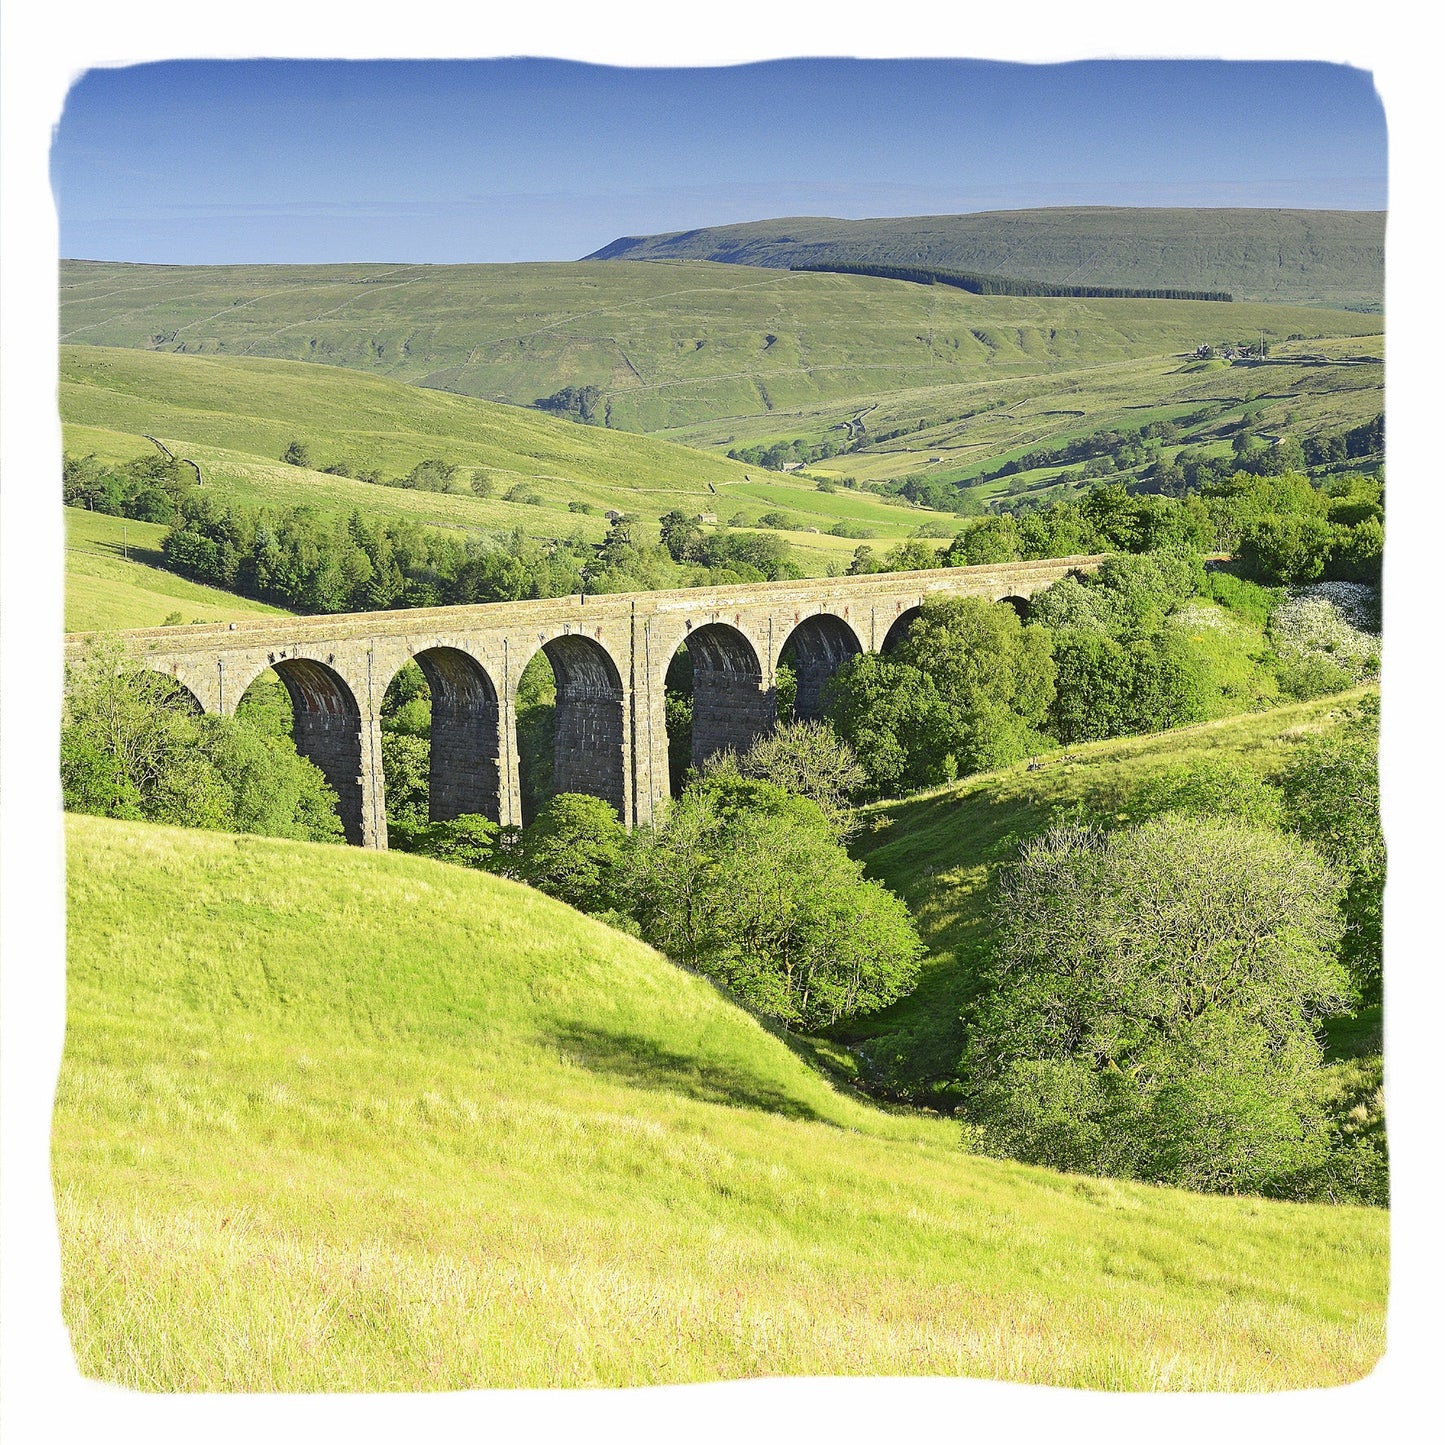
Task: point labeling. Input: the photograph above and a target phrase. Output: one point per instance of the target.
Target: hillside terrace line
(610, 656)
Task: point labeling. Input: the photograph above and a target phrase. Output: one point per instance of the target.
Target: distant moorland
(1314, 258)
(666, 346)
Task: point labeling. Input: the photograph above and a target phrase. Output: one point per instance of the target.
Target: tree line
(982, 284)
(1147, 642)
(311, 561)
(1284, 529)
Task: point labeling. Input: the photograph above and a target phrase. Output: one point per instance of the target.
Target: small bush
(1321, 643)
(1248, 599)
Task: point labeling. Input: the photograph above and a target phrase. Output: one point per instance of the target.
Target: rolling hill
(676, 345)
(1316, 258)
(236, 416)
(404, 1126)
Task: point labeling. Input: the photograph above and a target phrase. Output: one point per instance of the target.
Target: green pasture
(235, 419)
(976, 426)
(334, 1120)
(668, 344)
(113, 579)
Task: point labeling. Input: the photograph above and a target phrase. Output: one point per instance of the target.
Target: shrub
(1232, 659)
(1209, 788)
(406, 764)
(1320, 636)
(1331, 789)
(1108, 688)
(572, 849)
(1154, 1003)
(132, 745)
(1251, 601)
(469, 840)
(1285, 549)
(806, 757)
(967, 688)
(748, 883)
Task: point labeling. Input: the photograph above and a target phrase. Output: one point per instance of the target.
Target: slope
(334, 1120)
(113, 579)
(955, 431)
(941, 850)
(235, 418)
(666, 345)
(1333, 258)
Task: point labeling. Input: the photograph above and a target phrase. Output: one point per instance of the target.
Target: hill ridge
(1284, 254)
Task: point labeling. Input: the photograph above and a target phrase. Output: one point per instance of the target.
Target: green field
(957, 431)
(1334, 258)
(235, 418)
(670, 345)
(113, 579)
(405, 1126)
(940, 850)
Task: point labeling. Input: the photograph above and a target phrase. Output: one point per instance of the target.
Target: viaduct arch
(609, 654)
(466, 735)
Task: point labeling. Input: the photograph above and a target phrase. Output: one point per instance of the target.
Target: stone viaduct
(610, 656)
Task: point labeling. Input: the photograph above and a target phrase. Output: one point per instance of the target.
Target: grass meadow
(669, 344)
(113, 578)
(958, 430)
(235, 419)
(940, 850)
(334, 1120)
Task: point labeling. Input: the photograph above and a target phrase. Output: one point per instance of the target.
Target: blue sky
(542, 160)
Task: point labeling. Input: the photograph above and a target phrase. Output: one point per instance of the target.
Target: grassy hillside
(955, 431)
(419, 1128)
(1333, 258)
(940, 851)
(235, 417)
(113, 579)
(668, 345)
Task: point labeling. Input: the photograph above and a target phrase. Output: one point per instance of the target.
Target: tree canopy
(1154, 1004)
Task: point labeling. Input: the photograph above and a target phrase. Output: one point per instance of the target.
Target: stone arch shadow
(183, 691)
(816, 648)
(326, 727)
(899, 627)
(465, 769)
(730, 706)
(590, 730)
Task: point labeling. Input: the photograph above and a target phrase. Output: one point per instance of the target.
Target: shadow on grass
(122, 550)
(1354, 1036)
(643, 1063)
